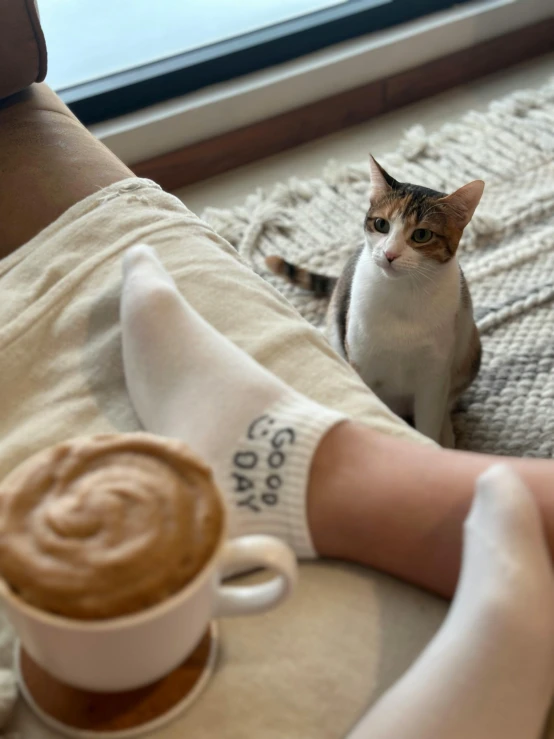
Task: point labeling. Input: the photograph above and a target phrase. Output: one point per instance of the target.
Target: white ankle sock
(489, 672)
(188, 381)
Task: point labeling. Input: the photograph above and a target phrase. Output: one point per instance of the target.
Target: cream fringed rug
(507, 252)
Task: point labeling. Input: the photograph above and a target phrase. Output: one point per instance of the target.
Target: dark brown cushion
(22, 46)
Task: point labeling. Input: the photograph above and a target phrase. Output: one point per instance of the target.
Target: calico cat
(401, 312)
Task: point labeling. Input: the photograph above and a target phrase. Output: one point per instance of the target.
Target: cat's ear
(463, 202)
(380, 181)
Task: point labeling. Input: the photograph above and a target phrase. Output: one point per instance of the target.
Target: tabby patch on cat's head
(411, 229)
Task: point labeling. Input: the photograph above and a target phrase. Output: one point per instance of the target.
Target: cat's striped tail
(321, 285)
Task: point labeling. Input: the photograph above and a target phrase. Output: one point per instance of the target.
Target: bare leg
(430, 406)
(372, 499)
(447, 438)
(400, 507)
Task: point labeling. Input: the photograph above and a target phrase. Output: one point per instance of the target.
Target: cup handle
(249, 553)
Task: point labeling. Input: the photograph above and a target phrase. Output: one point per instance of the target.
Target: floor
(353, 144)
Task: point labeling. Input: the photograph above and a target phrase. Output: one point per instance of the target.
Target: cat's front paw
(447, 438)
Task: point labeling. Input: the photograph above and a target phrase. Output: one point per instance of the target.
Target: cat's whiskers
(423, 278)
(424, 270)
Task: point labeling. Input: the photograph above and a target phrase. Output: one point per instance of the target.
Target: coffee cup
(129, 651)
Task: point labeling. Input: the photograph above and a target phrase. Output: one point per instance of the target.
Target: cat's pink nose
(391, 256)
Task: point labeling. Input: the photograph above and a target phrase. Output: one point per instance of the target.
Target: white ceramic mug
(131, 651)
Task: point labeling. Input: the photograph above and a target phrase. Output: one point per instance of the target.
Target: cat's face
(411, 230)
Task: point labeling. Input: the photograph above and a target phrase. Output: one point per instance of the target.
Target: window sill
(214, 111)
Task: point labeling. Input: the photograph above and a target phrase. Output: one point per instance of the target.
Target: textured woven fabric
(507, 253)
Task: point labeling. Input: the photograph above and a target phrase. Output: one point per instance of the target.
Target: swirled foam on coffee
(106, 526)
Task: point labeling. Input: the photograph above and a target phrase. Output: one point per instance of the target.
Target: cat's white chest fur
(401, 332)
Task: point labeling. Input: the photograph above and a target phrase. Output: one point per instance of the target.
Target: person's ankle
(331, 472)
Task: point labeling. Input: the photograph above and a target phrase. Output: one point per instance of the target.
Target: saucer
(81, 714)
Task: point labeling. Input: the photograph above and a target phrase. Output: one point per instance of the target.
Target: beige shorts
(310, 668)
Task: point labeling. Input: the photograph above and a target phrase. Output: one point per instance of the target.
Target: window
(110, 57)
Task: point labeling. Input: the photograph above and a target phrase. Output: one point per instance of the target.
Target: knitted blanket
(507, 252)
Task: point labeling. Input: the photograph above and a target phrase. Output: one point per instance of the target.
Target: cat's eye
(422, 235)
(381, 225)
